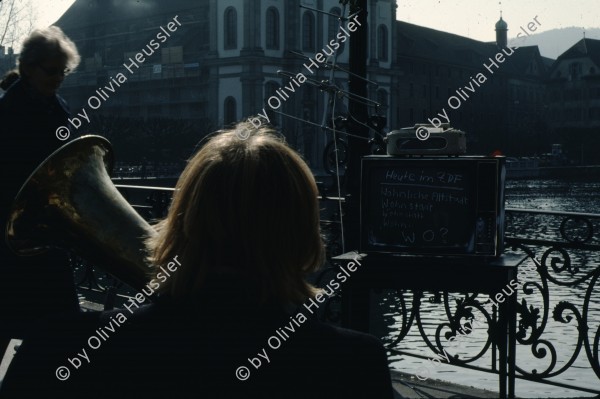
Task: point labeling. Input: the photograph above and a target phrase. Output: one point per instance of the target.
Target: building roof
(583, 48)
(109, 29)
(416, 41)
(84, 13)
(501, 24)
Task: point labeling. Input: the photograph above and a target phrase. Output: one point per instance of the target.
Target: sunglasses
(53, 71)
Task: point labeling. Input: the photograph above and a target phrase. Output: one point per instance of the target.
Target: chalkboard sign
(422, 205)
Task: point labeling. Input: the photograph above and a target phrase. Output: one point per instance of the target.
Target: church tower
(501, 33)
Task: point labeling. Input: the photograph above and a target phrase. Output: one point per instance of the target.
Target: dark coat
(28, 123)
(30, 287)
(194, 350)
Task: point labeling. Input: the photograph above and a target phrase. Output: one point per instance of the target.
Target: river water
(582, 196)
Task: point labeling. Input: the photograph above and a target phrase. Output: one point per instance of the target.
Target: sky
(49, 12)
(476, 18)
(470, 18)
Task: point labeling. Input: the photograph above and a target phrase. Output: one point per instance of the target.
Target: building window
(230, 28)
(333, 27)
(308, 31)
(575, 70)
(230, 111)
(382, 43)
(272, 28)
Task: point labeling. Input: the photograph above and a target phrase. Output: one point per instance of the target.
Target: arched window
(272, 28)
(230, 28)
(230, 111)
(382, 43)
(308, 31)
(333, 28)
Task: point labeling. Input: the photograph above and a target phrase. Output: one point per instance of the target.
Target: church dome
(501, 25)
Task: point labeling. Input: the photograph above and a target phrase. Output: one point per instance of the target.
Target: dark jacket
(28, 123)
(194, 351)
(30, 287)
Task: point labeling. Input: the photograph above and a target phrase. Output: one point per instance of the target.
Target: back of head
(46, 44)
(248, 208)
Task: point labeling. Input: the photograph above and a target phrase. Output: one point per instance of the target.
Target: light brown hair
(247, 206)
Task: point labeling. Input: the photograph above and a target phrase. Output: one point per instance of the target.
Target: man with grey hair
(30, 113)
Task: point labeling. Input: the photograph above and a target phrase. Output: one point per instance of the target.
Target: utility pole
(357, 147)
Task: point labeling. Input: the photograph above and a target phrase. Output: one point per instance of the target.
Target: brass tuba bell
(70, 202)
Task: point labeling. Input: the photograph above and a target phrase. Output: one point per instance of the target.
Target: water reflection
(554, 195)
(550, 195)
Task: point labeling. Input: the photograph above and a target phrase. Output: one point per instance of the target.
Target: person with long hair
(229, 290)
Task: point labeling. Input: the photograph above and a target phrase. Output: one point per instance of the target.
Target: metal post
(357, 147)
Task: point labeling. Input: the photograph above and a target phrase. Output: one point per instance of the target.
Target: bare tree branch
(16, 21)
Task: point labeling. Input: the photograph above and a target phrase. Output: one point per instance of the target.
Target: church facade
(229, 58)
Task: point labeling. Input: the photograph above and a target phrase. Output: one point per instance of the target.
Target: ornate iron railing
(558, 311)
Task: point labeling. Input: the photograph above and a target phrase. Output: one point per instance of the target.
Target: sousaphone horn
(70, 202)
